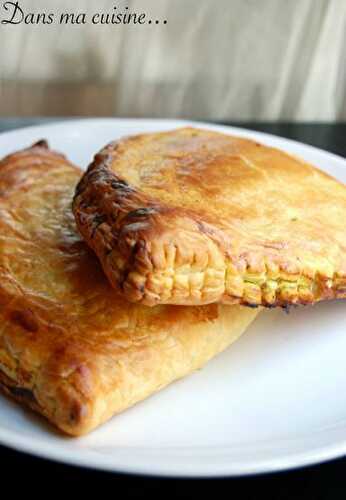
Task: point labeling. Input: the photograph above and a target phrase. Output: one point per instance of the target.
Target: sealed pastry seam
(186, 284)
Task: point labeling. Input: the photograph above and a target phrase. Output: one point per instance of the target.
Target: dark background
(325, 481)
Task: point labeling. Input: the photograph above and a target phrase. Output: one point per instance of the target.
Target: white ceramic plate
(275, 400)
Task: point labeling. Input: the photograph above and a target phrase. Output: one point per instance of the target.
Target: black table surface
(317, 482)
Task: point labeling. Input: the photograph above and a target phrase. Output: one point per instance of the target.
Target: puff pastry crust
(193, 217)
(70, 347)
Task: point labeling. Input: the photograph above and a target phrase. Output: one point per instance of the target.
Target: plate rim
(228, 129)
(81, 458)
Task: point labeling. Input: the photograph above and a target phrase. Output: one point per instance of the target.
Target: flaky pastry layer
(70, 347)
(194, 217)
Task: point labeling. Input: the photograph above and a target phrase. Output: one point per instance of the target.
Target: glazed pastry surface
(194, 217)
(70, 347)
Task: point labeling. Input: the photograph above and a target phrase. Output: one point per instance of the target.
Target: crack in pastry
(71, 348)
(194, 217)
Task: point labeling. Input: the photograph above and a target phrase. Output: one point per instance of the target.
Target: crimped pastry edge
(69, 411)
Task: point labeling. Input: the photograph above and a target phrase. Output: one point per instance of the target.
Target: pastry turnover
(70, 347)
(194, 216)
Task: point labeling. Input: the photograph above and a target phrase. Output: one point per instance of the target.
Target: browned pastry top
(70, 346)
(194, 216)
